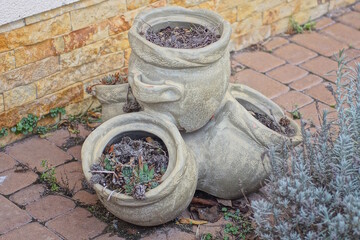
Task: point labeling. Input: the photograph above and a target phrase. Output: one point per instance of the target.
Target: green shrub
(314, 189)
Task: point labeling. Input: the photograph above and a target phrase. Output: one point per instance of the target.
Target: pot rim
(138, 122)
(202, 14)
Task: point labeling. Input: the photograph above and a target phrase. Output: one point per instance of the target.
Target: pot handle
(148, 91)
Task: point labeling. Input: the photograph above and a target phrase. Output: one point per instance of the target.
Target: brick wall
(47, 60)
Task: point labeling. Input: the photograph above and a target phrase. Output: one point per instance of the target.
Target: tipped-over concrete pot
(184, 85)
(228, 149)
(112, 99)
(178, 185)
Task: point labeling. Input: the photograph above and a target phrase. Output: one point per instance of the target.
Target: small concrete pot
(112, 99)
(178, 185)
(184, 85)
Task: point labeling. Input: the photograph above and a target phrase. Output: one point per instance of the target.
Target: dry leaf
(201, 201)
(191, 221)
(149, 139)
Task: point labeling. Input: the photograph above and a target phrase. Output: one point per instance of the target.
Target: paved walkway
(293, 72)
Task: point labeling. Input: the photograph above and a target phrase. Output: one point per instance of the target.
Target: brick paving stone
(353, 63)
(11, 216)
(310, 113)
(13, 181)
(49, 207)
(6, 162)
(352, 19)
(343, 33)
(287, 73)
(324, 22)
(31, 231)
(28, 195)
(158, 235)
(75, 151)
(292, 100)
(306, 82)
(319, 43)
(84, 132)
(59, 137)
(177, 234)
(275, 43)
(321, 93)
(259, 61)
(77, 224)
(70, 176)
(323, 67)
(85, 197)
(33, 150)
(110, 236)
(261, 83)
(294, 53)
(351, 54)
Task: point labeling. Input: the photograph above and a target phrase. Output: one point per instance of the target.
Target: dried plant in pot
(183, 85)
(175, 191)
(115, 95)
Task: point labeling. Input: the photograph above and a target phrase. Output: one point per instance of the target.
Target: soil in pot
(185, 37)
(131, 166)
(283, 126)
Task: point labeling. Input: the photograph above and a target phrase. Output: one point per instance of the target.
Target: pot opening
(132, 163)
(282, 126)
(182, 35)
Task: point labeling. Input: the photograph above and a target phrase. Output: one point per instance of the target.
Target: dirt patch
(282, 127)
(132, 166)
(194, 36)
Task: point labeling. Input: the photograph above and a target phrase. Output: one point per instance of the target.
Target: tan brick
(343, 34)
(29, 73)
(260, 61)
(281, 11)
(323, 67)
(280, 26)
(84, 17)
(2, 107)
(72, 75)
(12, 25)
(245, 9)
(39, 32)
(302, 17)
(209, 5)
(319, 43)
(4, 45)
(306, 82)
(33, 53)
(39, 107)
(287, 73)
(118, 24)
(255, 36)
(48, 14)
(229, 15)
(247, 25)
(307, 4)
(261, 83)
(90, 52)
(319, 11)
(7, 61)
(292, 100)
(263, 5)
(134, 4)
(222, 5)
(340, 3)
(19, 96)
(294, 54)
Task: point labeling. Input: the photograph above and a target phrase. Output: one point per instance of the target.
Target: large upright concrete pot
(178, 185)
(184, 85)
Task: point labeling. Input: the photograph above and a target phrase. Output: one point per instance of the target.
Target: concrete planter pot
(229, 148)
(178, 185)
(112, 99)
(184, 85)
